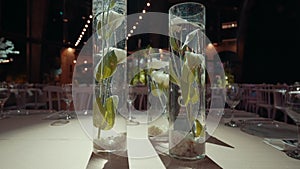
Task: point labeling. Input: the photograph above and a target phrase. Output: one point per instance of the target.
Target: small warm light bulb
(160, 50)
(144, 11)
(91, 16)
(210, 45)
(148, 4)
(134, 27)
(131, 31)
(140, 17)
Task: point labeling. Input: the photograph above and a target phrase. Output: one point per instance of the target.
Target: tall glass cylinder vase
(187, 81)
(109, 57)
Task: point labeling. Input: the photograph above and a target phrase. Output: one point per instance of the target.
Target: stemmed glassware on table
(67, 98)
(21, 94)
(132, 95)
(233, 98)
(293, 110)
(4, 95)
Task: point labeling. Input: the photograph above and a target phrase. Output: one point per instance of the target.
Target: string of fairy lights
(140, 17)
(131, 31)
(84, 29)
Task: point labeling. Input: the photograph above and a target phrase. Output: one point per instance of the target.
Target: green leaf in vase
(185, 92)
(187, 75)
(197, 128)
(194, 96)
(112, 4)
(107, 66)
(104, 116)
(173, 77)
(140, 77)
(174, 45)
(189, 90)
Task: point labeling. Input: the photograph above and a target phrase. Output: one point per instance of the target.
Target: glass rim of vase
(184, 3)
(200, 5)
(193, 16)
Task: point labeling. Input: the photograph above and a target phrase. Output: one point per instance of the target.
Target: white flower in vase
(112, 57)
(160, 78)
(194, 60)
(157, 64)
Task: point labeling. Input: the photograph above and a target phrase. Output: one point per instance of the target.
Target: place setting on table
(65, 114)
(280, 135)
(24, 102)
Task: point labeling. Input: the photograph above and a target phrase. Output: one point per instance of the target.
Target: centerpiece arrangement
(109, 56)
(187, 75)
(182, 85)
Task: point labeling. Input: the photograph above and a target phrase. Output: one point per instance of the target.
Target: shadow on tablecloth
(112, 161)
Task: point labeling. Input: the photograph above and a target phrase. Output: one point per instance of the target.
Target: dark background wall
(268, 41)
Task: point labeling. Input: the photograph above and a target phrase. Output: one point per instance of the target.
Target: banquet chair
(264, 100)
(279, 103)
(53, 95)
(249, 99)
(217, 98)
(82, 98)
(37, 99)
(142, 95)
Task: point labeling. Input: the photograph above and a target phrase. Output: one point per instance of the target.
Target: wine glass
(132, 95)
(233, 97)
(293, 110)
(67, 98)
(4, 95)
(21, 94)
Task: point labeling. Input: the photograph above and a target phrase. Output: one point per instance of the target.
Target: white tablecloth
(28, 142)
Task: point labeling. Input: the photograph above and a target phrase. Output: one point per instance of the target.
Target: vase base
(132, 122)
(199, 157)
(103, 152)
